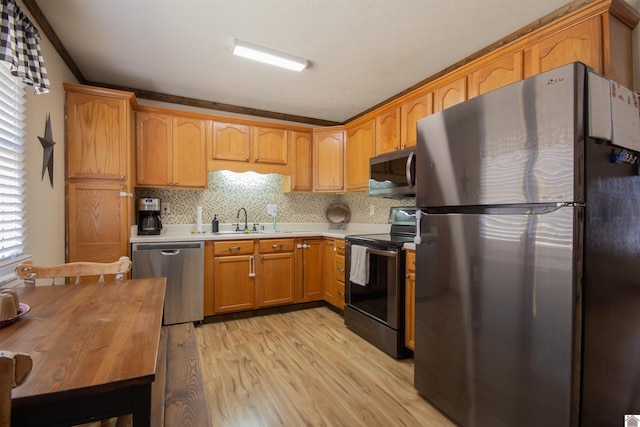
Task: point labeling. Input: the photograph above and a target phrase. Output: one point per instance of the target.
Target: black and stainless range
(374, 298)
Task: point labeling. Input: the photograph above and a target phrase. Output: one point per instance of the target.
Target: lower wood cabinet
(244, 275)
(410, 301)
(333, 291)
(309, 269)
(276, 272)
(249, 274)
(234, 276)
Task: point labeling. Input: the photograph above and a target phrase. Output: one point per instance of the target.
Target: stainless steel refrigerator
(528, 269)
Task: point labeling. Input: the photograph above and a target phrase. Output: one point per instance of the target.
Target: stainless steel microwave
(393, 175)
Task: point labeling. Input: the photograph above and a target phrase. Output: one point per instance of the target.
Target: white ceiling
(362, 52)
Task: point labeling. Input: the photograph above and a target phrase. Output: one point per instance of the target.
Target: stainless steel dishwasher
(182, 263)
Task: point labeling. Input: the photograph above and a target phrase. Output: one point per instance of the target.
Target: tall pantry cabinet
(99, 175)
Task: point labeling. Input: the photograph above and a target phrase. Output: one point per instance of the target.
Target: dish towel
(359, 273)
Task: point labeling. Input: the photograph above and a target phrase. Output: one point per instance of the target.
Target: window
(12, 221)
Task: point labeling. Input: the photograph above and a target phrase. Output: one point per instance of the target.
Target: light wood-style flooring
(305, 368)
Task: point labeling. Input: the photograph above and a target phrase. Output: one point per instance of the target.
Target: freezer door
(497, 298)
(522, 143)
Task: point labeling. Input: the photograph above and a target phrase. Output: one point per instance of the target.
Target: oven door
(380, 298)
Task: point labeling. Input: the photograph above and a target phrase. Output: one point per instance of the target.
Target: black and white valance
(20, 47)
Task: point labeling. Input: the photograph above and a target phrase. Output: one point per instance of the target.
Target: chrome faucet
(246, 226)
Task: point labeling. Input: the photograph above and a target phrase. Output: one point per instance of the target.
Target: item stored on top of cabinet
(338, 213)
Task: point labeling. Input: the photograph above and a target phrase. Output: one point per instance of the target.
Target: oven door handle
(381, 252)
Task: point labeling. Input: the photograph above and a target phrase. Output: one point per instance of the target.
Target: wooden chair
(29, 272)
(14, 370)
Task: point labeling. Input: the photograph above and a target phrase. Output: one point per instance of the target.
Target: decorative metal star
(47, 145)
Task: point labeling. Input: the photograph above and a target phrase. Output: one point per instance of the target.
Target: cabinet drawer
(276, 245)
(340, 291)
(339, 246)
(340, 269)
(411, 260)
(233, 247)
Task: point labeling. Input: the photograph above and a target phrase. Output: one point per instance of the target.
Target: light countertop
(187, 232)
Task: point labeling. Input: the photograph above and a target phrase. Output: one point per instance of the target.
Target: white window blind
(12, 220)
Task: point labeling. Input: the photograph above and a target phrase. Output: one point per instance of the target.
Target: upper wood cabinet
(359, 149)
(328, 159)
(270, 145)
(450, 94)
(388, 131)
(231, 141)
(98, 127)
(410, 112)
(170, 150)
(246, 147)
(581, 42)
(301, 178)
(496, 74)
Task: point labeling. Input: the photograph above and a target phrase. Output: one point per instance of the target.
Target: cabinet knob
(168, 182)
(123, 177)
(408, 276)
(276, 246)
(340, 269)
(175, 182)
(395, 147)
(234, 248)
(247, 159)
(256, 159)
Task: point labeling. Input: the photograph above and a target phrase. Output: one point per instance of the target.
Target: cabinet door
(270, 145)
(329, 285)
(230, 142)
(276, 283)
(153, 149)
(301, 176)
(410, 301)
(309, 269)
(360, 148)
(339, 291)
(495, 75)
(581, 42)
(98, 137)
(234, 283)
(189, 157)
(450, 94)
(410, 112)
(97, 221)
(209, 308)
(328, 160)
(388, 131)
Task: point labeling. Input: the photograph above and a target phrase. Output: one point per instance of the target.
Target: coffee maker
(149, 221)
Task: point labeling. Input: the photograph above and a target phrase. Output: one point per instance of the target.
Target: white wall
(45, 211)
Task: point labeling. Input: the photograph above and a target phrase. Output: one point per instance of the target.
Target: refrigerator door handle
(417, 240)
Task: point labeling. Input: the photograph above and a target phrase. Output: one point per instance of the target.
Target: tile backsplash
(229, 191)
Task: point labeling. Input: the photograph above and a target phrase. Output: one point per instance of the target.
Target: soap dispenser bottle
(215, 225)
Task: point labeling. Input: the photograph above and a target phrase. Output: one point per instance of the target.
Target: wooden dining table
(94, 348)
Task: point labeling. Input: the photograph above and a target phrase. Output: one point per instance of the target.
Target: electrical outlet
(166, 208)
(372, 210)
(272, 209)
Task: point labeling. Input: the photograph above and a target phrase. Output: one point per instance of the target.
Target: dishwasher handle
(170, 252)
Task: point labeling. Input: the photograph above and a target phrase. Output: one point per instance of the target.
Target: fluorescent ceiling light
(268, 56)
